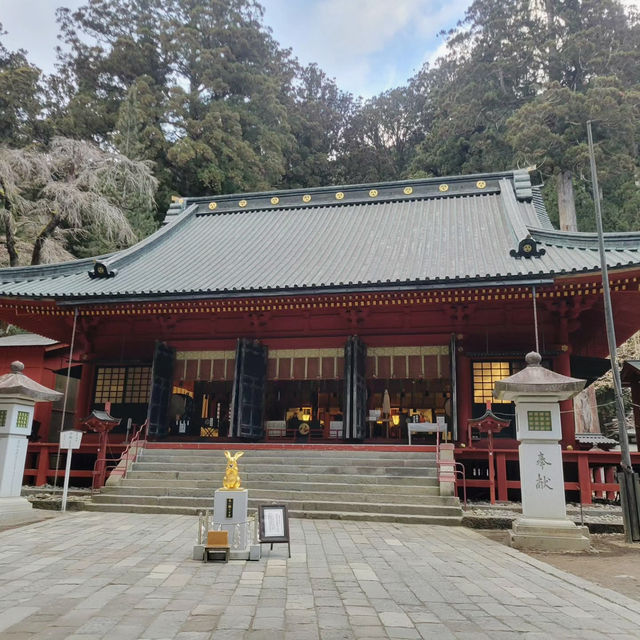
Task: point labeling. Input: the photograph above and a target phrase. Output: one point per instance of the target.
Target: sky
(368, 46)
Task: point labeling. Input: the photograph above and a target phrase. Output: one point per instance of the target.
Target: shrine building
(246, 317)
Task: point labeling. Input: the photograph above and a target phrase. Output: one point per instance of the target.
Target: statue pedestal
(230, 513)
(230, 509)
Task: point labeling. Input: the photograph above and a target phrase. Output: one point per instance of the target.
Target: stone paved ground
(84, 576)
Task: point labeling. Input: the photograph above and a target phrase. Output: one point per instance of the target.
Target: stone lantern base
(531, 534)
(16, 510)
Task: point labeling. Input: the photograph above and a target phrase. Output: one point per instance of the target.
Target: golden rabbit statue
(231, 478)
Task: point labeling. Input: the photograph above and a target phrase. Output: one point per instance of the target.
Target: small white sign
(274, 522)
(70, 439)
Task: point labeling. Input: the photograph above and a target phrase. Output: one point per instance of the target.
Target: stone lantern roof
(535, 381)
(17, 384)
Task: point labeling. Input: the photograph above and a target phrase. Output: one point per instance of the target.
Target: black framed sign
(274, 524)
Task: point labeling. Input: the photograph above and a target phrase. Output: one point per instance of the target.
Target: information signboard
(274, 524)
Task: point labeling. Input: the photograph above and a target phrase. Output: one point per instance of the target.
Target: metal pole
(608, 314)
(66, 391)
(629, 484)
(535, 318)
(65, 488)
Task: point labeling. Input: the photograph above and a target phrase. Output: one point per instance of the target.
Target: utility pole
(629, 482)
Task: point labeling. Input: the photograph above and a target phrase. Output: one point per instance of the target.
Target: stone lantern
(537, 393)
(18, 395)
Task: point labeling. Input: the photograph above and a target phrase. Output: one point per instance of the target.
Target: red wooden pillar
(584, 479)
(85, 392)
(563, 366)
(100, 471)
(465, 394)
(501, 463)
(43, 466)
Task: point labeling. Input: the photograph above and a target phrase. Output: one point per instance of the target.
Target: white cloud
(367, 45)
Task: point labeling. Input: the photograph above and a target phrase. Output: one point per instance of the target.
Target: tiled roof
(421, 233)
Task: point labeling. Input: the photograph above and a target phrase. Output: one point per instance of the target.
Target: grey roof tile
(410, 233)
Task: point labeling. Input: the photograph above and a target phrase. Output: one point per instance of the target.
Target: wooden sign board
(274, 524)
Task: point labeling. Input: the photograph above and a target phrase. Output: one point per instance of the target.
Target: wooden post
(598, 478)
(563, 366)
(492, 471)
(501, 464)
(85, 392)
(100, 473)
(584, 479)
(43, 465)
(610, 478)
(465, 393)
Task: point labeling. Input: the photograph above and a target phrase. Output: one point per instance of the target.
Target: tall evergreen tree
(22, 99)
(217, 79)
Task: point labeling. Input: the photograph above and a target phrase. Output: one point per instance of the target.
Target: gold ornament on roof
(481, 184)
(242, 203)
(339, 195)
(408, 191)
(213, 205)
(306, 198)
(373, 193)
(275, 200)
(231, 478)
(443, 187)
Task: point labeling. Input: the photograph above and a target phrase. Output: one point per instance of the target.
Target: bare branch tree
(50, 196)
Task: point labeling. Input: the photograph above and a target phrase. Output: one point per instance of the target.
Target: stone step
(219, 461)
(428, 486)
(365, 485)
(248, 469)
(453, 520)
(276, 475)
(307, 494)
(310, 462)
(292, 505)
(271, 454)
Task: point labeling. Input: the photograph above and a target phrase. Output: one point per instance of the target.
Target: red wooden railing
(40, 456)
(591, 474)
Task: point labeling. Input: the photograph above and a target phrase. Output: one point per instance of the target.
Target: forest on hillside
(156, 98)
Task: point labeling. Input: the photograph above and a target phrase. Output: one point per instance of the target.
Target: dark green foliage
(22, 99)
(201, 89)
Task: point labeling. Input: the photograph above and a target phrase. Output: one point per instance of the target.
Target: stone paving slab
(90, 575)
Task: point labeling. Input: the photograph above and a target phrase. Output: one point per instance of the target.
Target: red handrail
(134, 440)
(126, 456)
(460, 471)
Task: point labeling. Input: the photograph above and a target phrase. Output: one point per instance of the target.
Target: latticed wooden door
(247, 410)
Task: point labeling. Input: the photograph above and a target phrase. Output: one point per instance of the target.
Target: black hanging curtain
(247, 404)
(161, 387)
(355, 392)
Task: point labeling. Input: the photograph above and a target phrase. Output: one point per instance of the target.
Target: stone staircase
(345, 484)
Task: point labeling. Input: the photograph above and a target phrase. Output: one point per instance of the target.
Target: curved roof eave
(114, 259)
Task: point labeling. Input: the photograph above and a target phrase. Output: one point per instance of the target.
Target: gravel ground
(600, 518)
